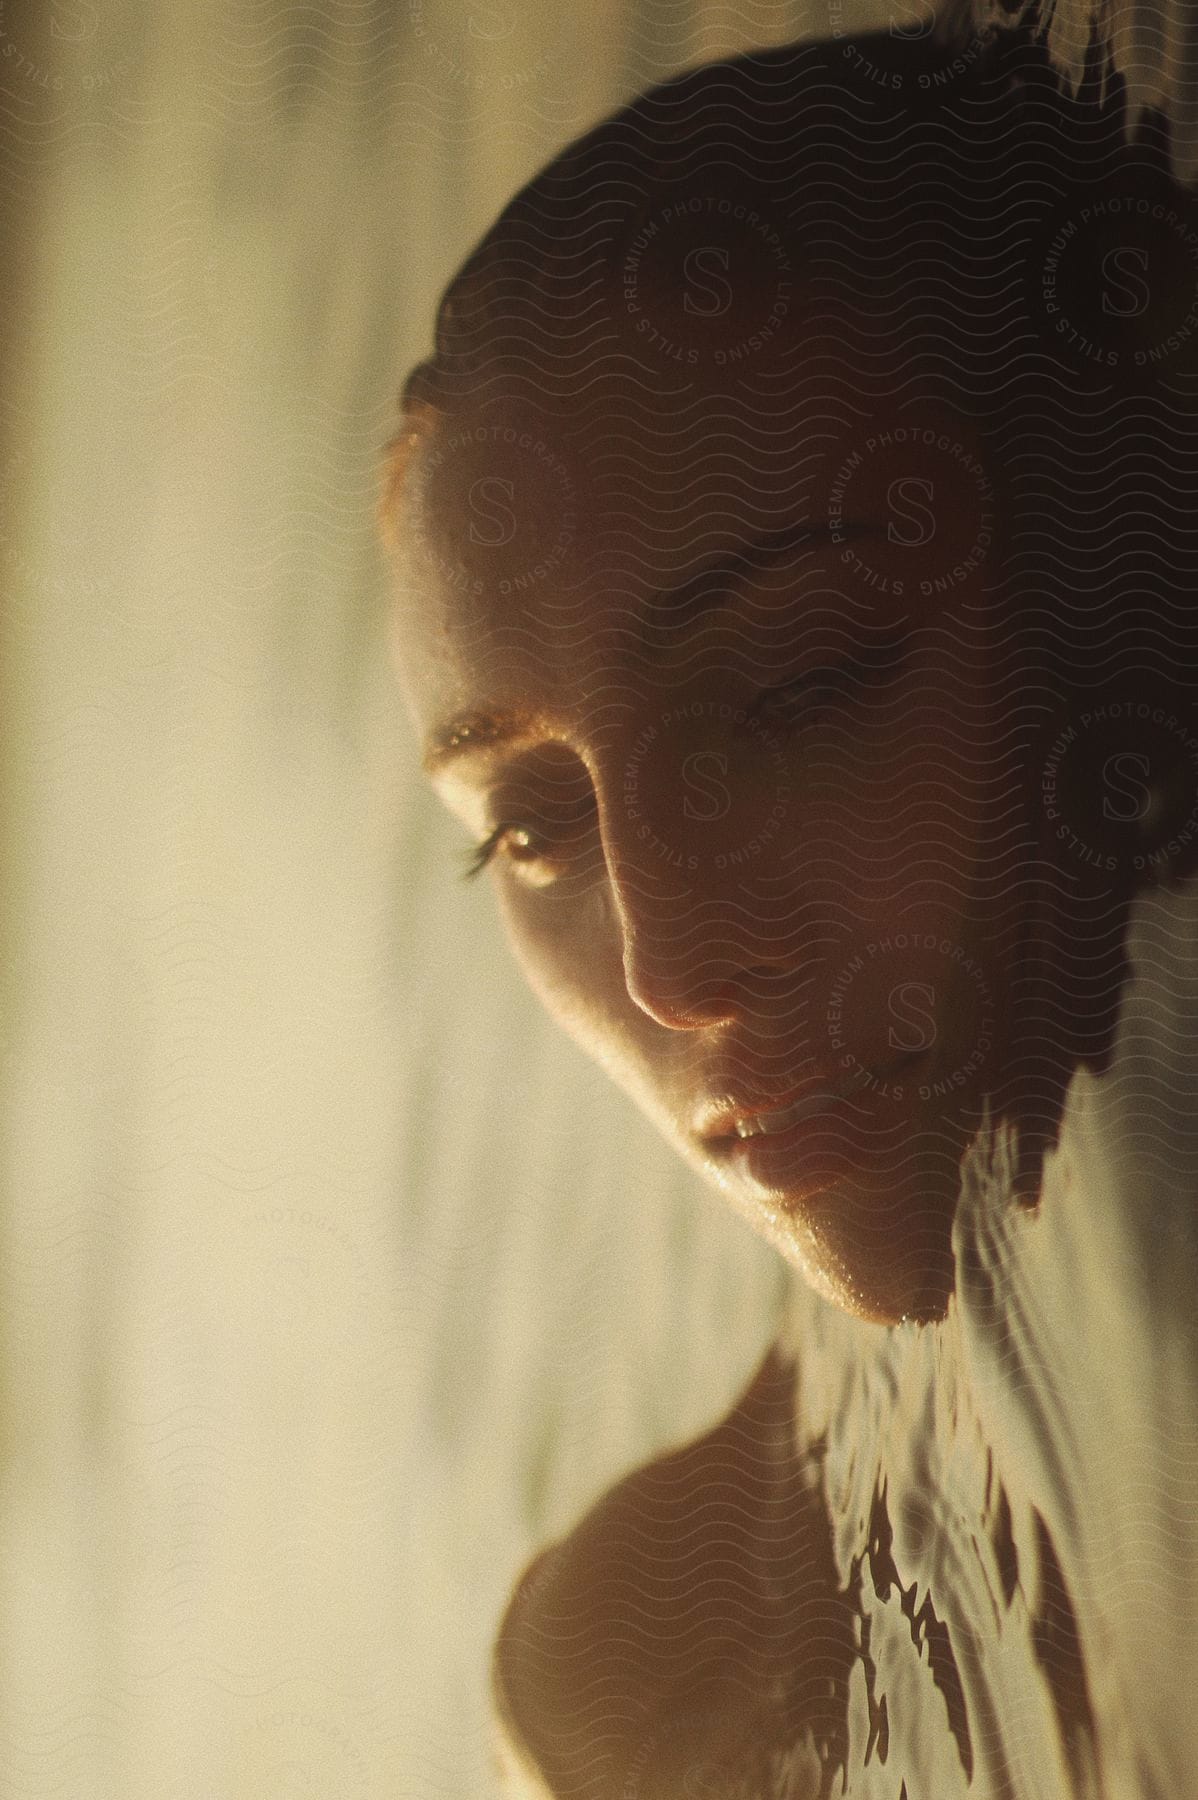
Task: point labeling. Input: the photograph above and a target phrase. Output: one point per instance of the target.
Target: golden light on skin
(695, 904)
(683, 968)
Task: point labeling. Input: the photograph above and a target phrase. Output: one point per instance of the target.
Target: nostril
(669, 1013)
(684, 1001)
(661, 997)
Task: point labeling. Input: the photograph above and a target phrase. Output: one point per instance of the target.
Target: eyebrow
(470, 735)
(476, 732)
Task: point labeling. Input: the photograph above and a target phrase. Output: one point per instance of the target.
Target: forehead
(539, 543)
(546, 541)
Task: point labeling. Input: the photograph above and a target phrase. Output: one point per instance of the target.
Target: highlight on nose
(677, 1001)
(703, 933)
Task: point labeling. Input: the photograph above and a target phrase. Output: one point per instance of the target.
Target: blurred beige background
(333, 1282)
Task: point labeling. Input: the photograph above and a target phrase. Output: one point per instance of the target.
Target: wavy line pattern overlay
(795, 534)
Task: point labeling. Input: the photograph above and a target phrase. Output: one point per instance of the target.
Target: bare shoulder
(690, 1626)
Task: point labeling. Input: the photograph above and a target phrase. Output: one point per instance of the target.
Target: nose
(686, 1000)
(688, 960)
(694, 802)
(675, 994)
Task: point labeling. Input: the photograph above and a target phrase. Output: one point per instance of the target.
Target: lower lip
(825, 1143)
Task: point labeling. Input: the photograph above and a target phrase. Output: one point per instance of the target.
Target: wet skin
(756, 835)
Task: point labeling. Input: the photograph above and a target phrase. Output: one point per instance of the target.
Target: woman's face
(723, 671)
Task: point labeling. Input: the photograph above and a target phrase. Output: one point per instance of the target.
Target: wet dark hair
(1040, 260)
(894, 163)
(934, 185)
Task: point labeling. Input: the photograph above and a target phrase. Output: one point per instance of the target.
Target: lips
(730, 1120)
(732, 1117)
(812, 1101)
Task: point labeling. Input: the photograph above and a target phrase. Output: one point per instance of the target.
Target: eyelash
(878, 662)
(479, 855)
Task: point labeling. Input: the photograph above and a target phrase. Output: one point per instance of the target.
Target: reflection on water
(925, 1563)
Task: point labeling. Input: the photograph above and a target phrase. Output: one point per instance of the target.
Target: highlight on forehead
(396, 458)
(470, 733)
(425, 404)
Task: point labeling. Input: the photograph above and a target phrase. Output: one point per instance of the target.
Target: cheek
(569, 953)
(901, 806)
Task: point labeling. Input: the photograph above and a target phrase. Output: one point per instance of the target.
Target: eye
(518, 842)
(796, 702)
(546, 814)
(544, 856)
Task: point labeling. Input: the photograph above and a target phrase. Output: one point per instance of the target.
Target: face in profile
(714, 623)
(715, 693)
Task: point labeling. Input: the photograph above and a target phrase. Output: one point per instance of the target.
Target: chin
(869, 1233)
(880, 1246)
(876, 1297)
(879, 1249)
